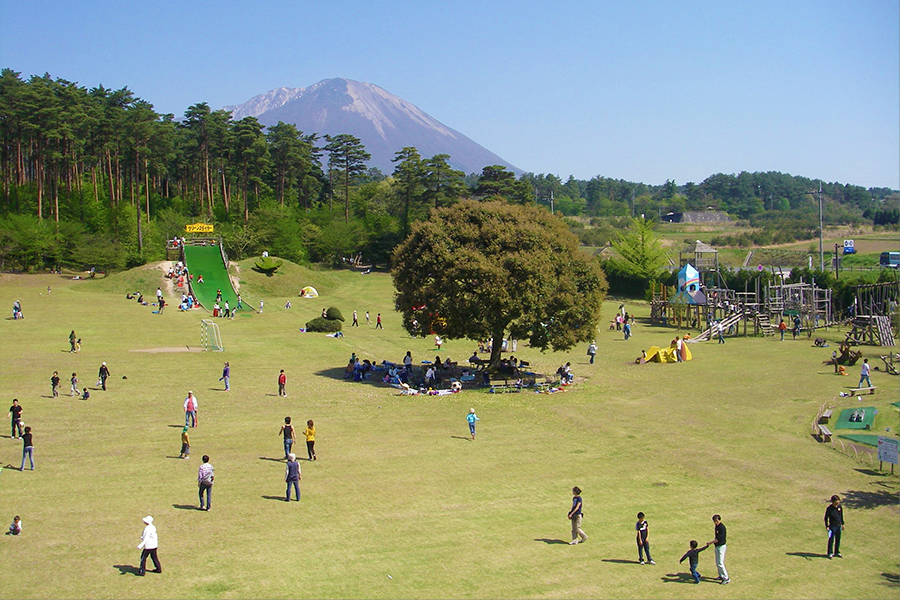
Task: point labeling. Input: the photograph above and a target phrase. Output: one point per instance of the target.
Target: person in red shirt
(282, 381)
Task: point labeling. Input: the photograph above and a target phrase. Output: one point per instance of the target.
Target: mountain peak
(384, 122)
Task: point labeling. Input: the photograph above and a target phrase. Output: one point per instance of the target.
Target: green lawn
(400, 504)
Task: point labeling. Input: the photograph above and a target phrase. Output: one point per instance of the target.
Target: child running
(694, 559)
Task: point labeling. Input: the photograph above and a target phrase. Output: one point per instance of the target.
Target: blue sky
(637, 90)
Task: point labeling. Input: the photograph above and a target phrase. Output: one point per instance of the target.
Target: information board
(887, 449)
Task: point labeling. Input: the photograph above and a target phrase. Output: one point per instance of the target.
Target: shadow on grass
(621, 561)
(279, 498)
(127, 569)
(178, 457)
(871, 499)
(550, 540)
(807, 555)
(891, 579)
(871, 472)
(459, 437)
(177, 426)
(186, 507)
(217, 389)
(272, 459)
(684, 578)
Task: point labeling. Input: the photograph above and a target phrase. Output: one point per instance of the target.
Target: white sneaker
(652, 562)
(573, 542)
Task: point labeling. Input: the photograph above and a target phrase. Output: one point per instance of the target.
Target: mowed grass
(400, 504)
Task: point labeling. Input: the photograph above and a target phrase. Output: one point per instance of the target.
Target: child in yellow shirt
(310, 433)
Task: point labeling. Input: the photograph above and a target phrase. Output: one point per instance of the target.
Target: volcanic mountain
(384, 122)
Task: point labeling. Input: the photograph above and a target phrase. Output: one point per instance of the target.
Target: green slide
(207, 261)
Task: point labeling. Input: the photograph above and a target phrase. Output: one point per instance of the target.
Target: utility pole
(821, 227)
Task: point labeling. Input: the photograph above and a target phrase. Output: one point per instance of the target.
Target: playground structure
(204, 256)
(703, 301)
(874, 314)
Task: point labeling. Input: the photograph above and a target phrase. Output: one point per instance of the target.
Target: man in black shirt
(27, 449)
(15, 415)
(103, 374)
(834, 523)
(719, 543)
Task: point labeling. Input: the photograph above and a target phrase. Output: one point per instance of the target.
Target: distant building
(704, 216)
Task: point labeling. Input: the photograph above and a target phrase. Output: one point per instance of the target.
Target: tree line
(97, 177)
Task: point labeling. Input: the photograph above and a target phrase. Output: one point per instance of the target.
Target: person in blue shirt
(575, 516)
(471, 418)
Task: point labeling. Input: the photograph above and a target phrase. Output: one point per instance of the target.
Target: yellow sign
(199, 228)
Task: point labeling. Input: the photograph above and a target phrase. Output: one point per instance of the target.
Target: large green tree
(348, 157)
(640, 249)
(481, 270)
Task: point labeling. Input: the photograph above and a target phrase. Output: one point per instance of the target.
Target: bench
(826, 416)
(871, 390)
(825, 433)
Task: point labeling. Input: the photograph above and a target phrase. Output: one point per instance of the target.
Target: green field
(400, 504)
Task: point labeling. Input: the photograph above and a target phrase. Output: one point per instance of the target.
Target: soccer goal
(209, 336)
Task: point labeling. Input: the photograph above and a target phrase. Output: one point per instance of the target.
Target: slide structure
(207, 261)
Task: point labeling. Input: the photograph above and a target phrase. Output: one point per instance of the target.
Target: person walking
(693, 555)
(54, 384)
(205, 478)
(289, 435)
(292, 477)
(310, 433)
(149, 546)
(782, 327)
(226, 376)
(575, 515)
(592, 350)
(103, 374)
(355, 322)
(643, 534)
(834, 524)
(368, 322)
(282, 383)
(27, 448)
(719, 546)
(190, 410)
(471, 418)
(719, 332)
(626, 330)
(72, 338)
(15, 417)
(864, 374)
(378, 321)
(185, 444)
(74, 381)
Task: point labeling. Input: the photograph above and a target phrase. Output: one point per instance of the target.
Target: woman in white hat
(148, 546)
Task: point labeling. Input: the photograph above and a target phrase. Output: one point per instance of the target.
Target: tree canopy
(481, 270)
(643, 256)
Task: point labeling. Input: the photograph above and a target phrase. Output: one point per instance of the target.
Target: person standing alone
(54, 384)
(205, 478)
(282, 384)
(355, 322)
(719, 544)
(148, 547)
(289, 435)
(190, 410)
(575, 515)
(292, 477)
(643, 534)
(15, 416)
(378, 321)
(103, 374)
(226, 376)
(834, 523)
(592, 351)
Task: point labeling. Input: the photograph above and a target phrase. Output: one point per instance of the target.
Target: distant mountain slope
(384, 122)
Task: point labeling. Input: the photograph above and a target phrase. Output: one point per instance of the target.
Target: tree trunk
(496, 348)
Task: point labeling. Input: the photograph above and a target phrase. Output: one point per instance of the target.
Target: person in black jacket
(834, 523)
(103, 375)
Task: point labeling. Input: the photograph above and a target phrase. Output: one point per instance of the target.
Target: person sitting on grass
(85, 395)
(15, 528)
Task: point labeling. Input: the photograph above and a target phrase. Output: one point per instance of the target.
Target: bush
(321, 324)
(333, 314)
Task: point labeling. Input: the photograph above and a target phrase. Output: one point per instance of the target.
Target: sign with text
(199, 228)
(887, 449)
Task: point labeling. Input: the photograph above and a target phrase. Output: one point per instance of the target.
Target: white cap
(104, 364)
(148, 520)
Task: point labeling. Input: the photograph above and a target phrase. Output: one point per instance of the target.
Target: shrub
(333, 314)
(321, 324)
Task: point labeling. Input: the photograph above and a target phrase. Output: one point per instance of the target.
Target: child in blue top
(471, 418)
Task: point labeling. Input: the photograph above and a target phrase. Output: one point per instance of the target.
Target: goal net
(209, 336)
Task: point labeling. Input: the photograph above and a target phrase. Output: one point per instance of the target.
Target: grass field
(400, 504)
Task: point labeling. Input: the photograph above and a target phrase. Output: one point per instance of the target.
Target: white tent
(309, 292)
